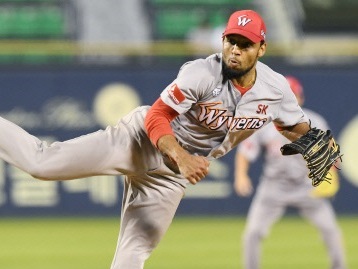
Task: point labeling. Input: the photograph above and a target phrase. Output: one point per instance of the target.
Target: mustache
(230, 73)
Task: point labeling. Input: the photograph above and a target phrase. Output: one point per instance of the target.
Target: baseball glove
(327, 190)
(320, 151)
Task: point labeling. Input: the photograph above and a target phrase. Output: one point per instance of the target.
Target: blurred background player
(284, 183)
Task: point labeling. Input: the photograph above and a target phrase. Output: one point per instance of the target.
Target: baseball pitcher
(211, 106)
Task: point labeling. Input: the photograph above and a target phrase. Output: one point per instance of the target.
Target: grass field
(191, 243)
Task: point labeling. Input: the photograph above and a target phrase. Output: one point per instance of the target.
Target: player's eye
(245, 45)
(242, 44)
(232, 41)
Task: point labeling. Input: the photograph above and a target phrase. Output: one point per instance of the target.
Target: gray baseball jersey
(284, 183)
(214, 117)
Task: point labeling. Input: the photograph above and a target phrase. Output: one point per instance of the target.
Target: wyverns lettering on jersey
(215, 117)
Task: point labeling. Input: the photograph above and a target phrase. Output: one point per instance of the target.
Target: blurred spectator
(113, 21)
(284, 184)
(206, 38)
(284, 18)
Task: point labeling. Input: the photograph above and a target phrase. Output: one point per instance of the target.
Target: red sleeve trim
(279, 128)
(157, 121)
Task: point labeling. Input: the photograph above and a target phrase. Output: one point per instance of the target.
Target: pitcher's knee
(153, 231)
(253, 234)
(41, 173)
(41, 176)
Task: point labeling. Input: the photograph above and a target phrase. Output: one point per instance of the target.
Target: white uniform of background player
(284, 183)
(200, 116)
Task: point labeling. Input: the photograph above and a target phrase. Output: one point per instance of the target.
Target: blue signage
(62, 104)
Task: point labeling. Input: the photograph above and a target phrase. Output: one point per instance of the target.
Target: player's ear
(262, 49)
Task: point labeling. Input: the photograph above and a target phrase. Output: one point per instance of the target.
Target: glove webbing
(303, 144)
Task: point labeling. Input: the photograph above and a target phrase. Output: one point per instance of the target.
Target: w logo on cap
(243, 20)
(247, 23)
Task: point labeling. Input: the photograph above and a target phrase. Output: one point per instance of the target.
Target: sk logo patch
(261, 109)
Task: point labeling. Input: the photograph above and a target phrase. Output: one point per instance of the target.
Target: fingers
(194, 168)
(198, 176)
(200, 172)
(245, 191)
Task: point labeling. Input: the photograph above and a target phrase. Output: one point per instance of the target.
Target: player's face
(241, 54)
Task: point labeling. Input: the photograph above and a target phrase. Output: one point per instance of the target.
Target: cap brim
(249, 35)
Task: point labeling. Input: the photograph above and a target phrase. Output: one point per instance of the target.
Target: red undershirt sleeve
(157, 121)
(279, 128)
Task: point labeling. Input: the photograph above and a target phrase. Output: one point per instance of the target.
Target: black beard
(229, 73)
